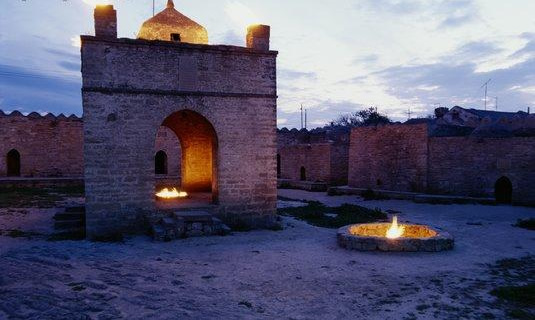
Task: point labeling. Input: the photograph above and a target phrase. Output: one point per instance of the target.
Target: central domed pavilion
(171, 25)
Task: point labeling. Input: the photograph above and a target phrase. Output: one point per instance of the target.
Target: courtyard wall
(49, 146)
(390, 157)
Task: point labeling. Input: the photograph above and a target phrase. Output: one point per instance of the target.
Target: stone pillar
(105, 22)
(258, 37)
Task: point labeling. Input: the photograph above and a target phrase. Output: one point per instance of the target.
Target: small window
(175, 37)
(160, 163)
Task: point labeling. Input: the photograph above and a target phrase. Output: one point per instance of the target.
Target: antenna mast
(153, 5)
(301, 116)
(486, 85)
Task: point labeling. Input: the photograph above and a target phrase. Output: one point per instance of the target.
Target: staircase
(70, 223)
(187, 223)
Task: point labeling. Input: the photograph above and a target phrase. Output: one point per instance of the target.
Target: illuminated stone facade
(219, 100)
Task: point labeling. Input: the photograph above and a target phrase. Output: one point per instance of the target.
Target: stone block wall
(471, 166)
(390, 157)
(131, 86)
(315, 158)
(49, 146)
(339, 164)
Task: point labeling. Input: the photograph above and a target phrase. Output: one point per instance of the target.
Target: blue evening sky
(335, 56)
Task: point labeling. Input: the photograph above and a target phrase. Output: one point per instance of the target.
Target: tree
(366, 117)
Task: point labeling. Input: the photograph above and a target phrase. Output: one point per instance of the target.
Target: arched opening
(13, 163)
(303, 174)
(503, 190)
(278, 165)
(198, 145)
(160, 162)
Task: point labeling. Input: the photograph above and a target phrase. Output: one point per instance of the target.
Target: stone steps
(70, 222)
(187, 223)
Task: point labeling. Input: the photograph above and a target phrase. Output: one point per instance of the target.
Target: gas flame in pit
(171, 194)
(395, 231)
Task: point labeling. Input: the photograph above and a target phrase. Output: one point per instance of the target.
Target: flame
(171, 194)
(95, 3)
(395, 231)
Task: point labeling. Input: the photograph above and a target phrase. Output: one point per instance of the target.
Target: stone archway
(199, 145)
(13, 163)
(503, 190)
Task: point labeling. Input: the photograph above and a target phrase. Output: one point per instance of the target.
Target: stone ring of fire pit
(371, 237)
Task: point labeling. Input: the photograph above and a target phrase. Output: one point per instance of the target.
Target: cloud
(71, 66)
(391, 6)
(288, 74)
(28, 91)
(460, 83)
(319, 114)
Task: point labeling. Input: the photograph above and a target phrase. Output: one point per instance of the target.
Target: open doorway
(503, 190)
(13, 163)
(198, 161)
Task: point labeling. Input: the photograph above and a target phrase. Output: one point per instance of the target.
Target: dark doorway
(503, 190)
(303, 174)
(160, 162)
(13, 163)
(278, 166)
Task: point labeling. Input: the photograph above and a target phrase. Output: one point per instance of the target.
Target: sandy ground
(297, 273)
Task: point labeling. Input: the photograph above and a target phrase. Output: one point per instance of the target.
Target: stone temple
(219, 100)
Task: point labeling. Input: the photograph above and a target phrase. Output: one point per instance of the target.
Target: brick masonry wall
(52, 146)
(391, 157)
(315, 158)
(49, 146)
(131, 87)
(471, 166)
(339, 164)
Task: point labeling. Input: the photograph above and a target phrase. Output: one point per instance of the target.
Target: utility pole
(409, 113)
(496, 103)
(301, 116)
(306, 120)
(153, 5)
(486, 85)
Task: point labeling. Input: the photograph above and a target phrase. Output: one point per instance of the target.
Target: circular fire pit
(372, 236)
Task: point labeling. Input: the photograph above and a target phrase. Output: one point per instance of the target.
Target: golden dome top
(171, 25)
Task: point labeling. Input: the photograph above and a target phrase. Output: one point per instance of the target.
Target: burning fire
(171, 194)
(395, 231)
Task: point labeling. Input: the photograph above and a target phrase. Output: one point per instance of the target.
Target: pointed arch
(503, 190)
(13, 163)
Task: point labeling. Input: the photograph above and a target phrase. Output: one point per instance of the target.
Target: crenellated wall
(49, 146)
(404, 157)
(52, 146)
(323, 154)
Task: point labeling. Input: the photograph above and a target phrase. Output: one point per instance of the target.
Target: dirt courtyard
(296, 273)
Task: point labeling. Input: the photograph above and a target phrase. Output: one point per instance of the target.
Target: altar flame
(395, 231)
(171, 194)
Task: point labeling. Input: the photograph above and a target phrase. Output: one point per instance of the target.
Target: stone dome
(171, 25)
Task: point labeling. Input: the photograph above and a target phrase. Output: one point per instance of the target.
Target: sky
(335, 56)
